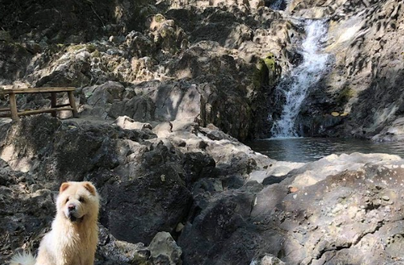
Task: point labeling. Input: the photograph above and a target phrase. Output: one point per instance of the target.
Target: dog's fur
(74, 235)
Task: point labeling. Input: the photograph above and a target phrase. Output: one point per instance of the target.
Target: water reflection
(311, 149)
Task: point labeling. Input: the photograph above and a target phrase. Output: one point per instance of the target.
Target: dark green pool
(311, 149)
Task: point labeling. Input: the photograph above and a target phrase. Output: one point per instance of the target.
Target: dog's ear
(64, 186)
(90, 187)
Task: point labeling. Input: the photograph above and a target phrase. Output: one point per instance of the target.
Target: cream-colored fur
(74, 235)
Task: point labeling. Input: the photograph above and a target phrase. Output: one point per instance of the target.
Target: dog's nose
(71, 207)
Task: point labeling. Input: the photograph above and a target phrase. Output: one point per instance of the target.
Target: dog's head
(78, 201)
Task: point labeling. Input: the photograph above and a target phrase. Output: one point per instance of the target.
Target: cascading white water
(276, 5)
(295, 86)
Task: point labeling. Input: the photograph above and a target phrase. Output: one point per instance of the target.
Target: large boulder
(14, 58)
(164, 250)
(329, 222)
(213, 228)
(342, 217)
(155, 183)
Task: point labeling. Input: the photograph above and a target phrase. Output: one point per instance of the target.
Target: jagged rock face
(13, 67)
(210, 192)
(363, 216)
(56, 22)
(342, 217)
(132, 220)
(214, 3)
(215, 45)
(73, 151)
(164, 250)
(210, 234)
(364, 80)
(147, 184)
(18, 216)
(195, 58)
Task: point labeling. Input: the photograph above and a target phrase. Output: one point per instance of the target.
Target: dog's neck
(74, 238)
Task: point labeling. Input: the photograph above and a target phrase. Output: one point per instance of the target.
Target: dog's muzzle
(72, 212)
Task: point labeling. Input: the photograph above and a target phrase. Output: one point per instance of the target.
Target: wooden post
(13, 107)
(53, 104)
(73, 104)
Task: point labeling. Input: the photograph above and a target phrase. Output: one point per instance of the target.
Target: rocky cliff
(364, 86)
(166, 89)
(209, 63)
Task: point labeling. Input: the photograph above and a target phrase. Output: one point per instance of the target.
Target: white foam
(296, 86)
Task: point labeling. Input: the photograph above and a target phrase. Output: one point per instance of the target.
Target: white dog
(74, 235)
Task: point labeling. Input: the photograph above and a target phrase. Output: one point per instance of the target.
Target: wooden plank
(62, 105)
(54, 107)
(53, 104)
(73, 104)
(30, 112)
(13, 107)
(37, 90)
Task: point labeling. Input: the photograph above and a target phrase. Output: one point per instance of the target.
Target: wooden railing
(13, 110)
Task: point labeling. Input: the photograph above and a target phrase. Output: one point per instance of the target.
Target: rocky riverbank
(218, 201)
(166, 92)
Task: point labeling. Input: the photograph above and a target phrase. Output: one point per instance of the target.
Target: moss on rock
(345, 95)
(267, 71)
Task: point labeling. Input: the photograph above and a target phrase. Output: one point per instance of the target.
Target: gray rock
(112, 251)
(10, 54)
(208, 234)
(164, 245)
(139, 108)
(268, 259)
(100, 98)
(129, 124)
(323, 212)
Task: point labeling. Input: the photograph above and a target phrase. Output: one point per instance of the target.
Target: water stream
(295, 87)
(277, 5)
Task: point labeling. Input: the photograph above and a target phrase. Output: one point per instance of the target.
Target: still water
(311, 149)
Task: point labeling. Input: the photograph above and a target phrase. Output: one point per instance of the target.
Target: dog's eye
(67, 200)
(81, 199)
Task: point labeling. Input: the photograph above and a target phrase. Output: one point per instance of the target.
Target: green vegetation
(5, 36)
(345, 95)
(96, 53)
(89, 47)
(269, 61)
(267, 71)
(159, 18)
(74, 48)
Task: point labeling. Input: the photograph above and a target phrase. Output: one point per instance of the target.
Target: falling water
(295, 86)
(277, 5)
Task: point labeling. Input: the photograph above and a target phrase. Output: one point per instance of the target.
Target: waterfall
(277, 5)
(297, 84)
